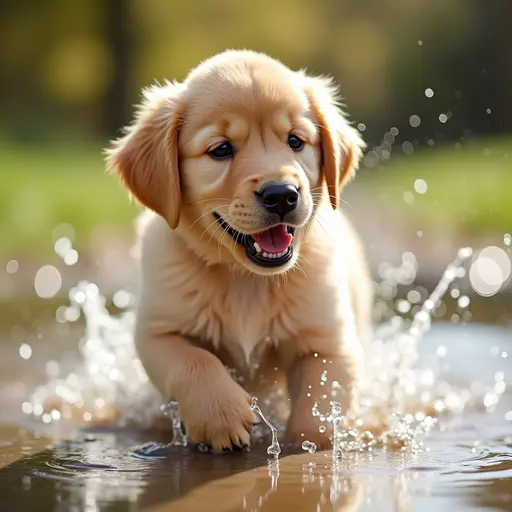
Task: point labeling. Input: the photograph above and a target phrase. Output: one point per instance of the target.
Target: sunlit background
(427, 82)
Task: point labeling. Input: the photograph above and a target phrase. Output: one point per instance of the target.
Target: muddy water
(467, 464)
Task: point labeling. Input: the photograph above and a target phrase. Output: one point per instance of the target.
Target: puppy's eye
(296, 143)
(224, 150)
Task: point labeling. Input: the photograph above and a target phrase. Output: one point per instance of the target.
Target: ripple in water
(399, 402)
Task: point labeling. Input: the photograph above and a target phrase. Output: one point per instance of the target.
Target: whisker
(330, 196)
(214, 232)
(219, 243)
(236, 240)
(297, 265)
(209, 211)
(221, 239)
(208, 227)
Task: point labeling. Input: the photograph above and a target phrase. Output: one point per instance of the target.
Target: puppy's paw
(219, 417)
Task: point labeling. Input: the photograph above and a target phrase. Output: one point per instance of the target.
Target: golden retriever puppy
(246, 259)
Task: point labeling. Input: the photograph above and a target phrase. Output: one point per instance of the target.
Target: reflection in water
(466, 466)
(359, 482)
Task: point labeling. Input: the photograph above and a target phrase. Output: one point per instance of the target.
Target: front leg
(213, 407)
(310, 380)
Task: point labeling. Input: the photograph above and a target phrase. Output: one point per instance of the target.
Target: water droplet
(415, 121)
(71, 257)
(443, 118)
(122, 299)
(408, 197)
(464, 253)
(47, 282)
(429, 93)
(62, 246)
(420, 186)
(12, 267)
(361, 127)
(407, 147)
(403, 306)
(507, 239)
(463, 301)
(25, 351)
(27, 408)
(309, 446)
(490, 270)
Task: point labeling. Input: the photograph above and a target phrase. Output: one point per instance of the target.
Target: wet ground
(467, 464)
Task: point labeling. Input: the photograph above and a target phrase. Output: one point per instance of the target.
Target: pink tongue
(274, 240)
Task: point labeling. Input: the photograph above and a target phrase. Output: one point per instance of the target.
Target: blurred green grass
(468, 188)
(41, 188)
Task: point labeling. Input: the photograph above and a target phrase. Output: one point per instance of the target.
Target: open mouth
(269, 248)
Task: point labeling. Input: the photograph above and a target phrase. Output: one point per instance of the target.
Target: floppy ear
(146, 157)
(342, 146)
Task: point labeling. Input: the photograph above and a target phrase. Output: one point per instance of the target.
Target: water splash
(172, 409)
(103, 387)
(337, 429)
(398, 402)
(407, 341)
(274, 449)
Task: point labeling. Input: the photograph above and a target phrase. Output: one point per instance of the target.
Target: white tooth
(265, 255)
(257, 247)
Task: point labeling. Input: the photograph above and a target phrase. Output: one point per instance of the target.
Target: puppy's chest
(243, 318)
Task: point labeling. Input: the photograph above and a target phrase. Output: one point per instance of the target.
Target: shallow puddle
(467, 463)
(439, 395)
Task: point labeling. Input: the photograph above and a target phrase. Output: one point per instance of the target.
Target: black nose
(279, 198)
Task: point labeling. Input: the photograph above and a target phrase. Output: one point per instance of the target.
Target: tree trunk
(115, 107)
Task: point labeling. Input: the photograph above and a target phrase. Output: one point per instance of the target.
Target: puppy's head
(238, 156)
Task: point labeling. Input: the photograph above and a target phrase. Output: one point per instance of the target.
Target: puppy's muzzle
(279, 198)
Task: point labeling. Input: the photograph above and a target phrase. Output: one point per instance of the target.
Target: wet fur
(203, 305)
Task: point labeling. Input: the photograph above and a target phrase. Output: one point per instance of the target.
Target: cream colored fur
(203, 304)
